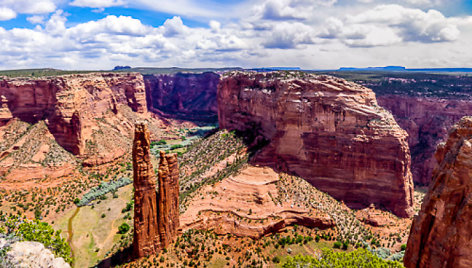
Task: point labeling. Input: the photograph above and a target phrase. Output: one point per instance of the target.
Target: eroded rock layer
(441, 235)
(168, 199)
(188, 96)
(145, 240)
(250, 204)
(427, 121)
(324, 129)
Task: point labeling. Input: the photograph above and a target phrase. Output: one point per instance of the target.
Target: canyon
(441, 233)
(427, 121)
(189, 96)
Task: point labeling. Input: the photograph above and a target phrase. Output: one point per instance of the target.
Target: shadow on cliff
(119, 258)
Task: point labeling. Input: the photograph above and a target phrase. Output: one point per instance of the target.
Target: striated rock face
(250, 204)
(441, 235)
(326, 130)
(145, 208)
(427, 121)
(183, 95)
(168, 198)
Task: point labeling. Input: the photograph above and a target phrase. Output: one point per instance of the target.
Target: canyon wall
(328, 131)
(145, 240)
(427, 121)
(90, 115)
(441, 235)
(189, 96)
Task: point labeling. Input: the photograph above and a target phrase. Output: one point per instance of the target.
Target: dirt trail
(69, 230)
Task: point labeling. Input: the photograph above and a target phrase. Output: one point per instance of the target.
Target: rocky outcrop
(188, 96)
(30, 254)
(441, 234)
(168, 199)
(145, 240)
(427, 121)
(325, 130)
(156, 216)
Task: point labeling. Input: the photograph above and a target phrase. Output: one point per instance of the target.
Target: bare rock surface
(28, 254)
(326, 130)
(441, 234)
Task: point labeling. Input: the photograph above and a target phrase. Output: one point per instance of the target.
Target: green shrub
(329, 258)
(337, 244)
(123, 228)
(403, 247)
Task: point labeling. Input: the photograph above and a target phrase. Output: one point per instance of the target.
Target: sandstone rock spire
(168, 199)
(145, 209)
(441, 234)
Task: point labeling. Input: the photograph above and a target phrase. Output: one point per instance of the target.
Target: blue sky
(312, 34)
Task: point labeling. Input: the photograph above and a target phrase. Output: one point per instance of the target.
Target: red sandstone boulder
(324, 129)
(441, 235)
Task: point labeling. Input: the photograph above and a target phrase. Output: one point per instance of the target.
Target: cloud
(7, 14)
(36, 19)
(411, 24)
(287, 35)
(29, 6)
(97, 3)
(174, 26)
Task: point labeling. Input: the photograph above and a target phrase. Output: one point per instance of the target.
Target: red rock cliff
(326, 130)
(183, 95)
(441, 235)
(168, 199)
(145, 240)
(78, 109)
(427, 121)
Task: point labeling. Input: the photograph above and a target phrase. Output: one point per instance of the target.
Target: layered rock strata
(427, 121)
(441, 234)
(326, 130)
(250, 204)
(168, 199)
(146, 233)
(189, 96)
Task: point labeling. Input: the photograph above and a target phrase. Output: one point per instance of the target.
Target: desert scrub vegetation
(34, 230)
(204, 154)
(101, 190)
(349, 230)
(329, 258)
